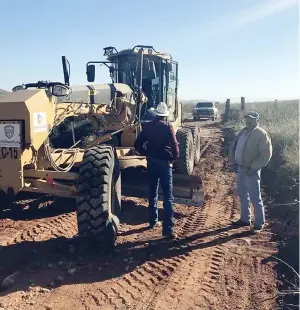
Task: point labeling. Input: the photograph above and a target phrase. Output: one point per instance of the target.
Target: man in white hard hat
(249, 153)
(161, 150)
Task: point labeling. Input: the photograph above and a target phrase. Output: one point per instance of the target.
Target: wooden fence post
(243, 104)
(227, 110)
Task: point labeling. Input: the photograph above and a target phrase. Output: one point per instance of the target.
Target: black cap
(253, 115)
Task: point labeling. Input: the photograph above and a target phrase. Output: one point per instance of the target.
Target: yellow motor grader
(91, 174)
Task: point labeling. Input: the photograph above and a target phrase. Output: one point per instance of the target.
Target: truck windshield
(204, 105)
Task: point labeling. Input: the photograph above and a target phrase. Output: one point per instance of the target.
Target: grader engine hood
(97, 93)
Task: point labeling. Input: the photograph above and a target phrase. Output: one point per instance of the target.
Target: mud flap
(187, 189)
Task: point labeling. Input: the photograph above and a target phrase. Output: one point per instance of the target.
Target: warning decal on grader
(39, 122)
(92, 92)
(10, 135)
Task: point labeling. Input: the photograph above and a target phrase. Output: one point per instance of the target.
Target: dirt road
(211, 266)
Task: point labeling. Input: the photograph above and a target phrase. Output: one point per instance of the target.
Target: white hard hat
(161, 109)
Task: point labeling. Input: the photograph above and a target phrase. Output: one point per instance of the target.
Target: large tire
(185, 162)
(99, 202)
(197, 142)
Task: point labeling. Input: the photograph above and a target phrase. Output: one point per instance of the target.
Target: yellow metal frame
(32, 167)
(63, 183)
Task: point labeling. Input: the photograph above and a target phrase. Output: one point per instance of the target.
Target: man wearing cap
(249, 153)
(157, 141)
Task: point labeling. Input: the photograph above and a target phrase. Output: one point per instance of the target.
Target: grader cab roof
(111, 52)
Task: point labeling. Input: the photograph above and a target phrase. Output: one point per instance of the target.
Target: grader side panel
(25, 118)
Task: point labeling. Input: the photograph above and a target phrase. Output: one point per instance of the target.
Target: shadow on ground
(45, 261)
(135, 214)
(31, 208)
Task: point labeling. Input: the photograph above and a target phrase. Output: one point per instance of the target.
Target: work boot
(157, 224)
(257, 229)
(171, 235)
(240, 223)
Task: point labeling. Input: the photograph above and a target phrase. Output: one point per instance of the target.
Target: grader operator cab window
(156, 74)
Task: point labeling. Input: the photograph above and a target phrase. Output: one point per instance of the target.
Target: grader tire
(185, 162)
(197, 143)
(99, 202)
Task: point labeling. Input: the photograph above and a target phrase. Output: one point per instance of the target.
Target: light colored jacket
(257, 150)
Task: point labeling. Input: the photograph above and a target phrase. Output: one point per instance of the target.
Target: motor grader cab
(146, 71)
(92, 174)
(154, 76)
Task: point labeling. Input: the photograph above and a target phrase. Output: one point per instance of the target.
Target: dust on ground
(212, 265)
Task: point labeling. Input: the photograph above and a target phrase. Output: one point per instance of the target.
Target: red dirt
(211, 266)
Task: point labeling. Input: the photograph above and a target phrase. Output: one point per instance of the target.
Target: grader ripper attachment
(91, 171)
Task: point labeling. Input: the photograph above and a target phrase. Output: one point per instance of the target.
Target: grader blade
(187, 190)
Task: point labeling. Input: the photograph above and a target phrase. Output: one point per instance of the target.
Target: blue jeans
(248, 188)
(159, 171)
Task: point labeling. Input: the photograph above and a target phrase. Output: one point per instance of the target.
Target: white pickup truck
(205, 110)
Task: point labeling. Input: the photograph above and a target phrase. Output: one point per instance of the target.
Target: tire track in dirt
(147, 279)
(169, 287)
(39, 229)
(129, 291)
(26, 244)
(247, 280)
(194, 224)
(155, 274)
(60, 226)
(242, 253)
(205, 264)
(189, 273)
(185, 270)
